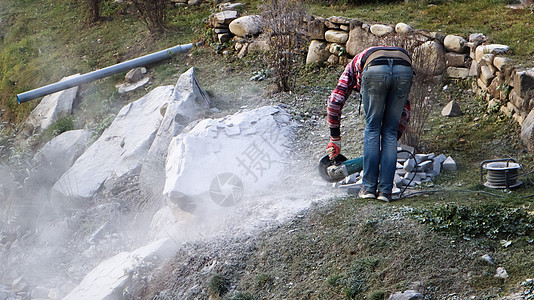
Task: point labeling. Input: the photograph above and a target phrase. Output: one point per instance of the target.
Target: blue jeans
(384, 90)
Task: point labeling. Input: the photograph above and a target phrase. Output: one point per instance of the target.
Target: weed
(242, 296)
(217, 285)
(490, 220)
(378, 295)
(264, 279)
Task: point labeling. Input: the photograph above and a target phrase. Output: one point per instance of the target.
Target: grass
(350, 249)
(463, 17)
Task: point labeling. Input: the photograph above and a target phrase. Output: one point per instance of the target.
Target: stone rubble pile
(412, 170)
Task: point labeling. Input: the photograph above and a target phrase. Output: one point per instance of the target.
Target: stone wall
(337, 39)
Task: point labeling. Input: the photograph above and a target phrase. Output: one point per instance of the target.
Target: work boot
(337, 172)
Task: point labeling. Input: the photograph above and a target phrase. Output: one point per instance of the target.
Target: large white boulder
(246, 26)
(58, 155)
(109, 279)
(187, 101)
(52, 108)
(218, 161)
(119, 150)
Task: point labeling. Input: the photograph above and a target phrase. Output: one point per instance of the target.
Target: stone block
(492, 48)
(316, 28)
(455, 72)
(501, 62)
(381, 29)
(449, 164)
(455, 43)
(409, 165)
(455, 59)
(452, 109)
(339, 20)
(517, 100)
(360, 39)
(336, 36)
(420, 157)
(486, 75)
(426, 165)
(434, 53)
(524, 83)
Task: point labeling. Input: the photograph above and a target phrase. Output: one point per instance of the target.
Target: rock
(409, 165)
(246, 26)
(19, 285)
(316, 28)
(492, 48)
(452, 109)
(39, 292)
(517, 101)
(406, 295)
(58, 155)
(52, 108)
(501, 273)
(339, 20)
(501, 62)
(523, 81)
(317, 52)
(454, 59)
(381, 30)
(109, 279)
(486, 75)
(477, 38)
(403, 28)
(135, 75)
(336, 49)
(360, 39)
(128, 87)
(124, 144)
(434, 57)
(231, 6)
(187, 101)
(223, 19)
(224, 37)
(455, 43)
(449, 164)
(487, 258)
(207, 166)
(454, 72)
(336, 36)
(527, 131)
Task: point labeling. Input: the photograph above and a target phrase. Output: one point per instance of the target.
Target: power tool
(336, 169)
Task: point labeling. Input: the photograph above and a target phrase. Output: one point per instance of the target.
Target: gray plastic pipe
(87, 77)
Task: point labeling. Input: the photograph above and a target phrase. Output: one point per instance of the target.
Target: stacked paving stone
(412, 170)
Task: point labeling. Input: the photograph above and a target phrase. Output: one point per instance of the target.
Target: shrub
(284, 24)
(153, 13)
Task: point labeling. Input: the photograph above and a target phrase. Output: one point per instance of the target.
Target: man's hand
(334, 147)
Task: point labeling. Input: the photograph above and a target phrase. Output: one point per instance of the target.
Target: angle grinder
(336, 169)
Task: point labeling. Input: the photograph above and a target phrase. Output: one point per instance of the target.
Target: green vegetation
(217, 285)
(492, 220)
(500, 24)
(350, 249)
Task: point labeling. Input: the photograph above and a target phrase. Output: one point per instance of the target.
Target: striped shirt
(350, 80)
